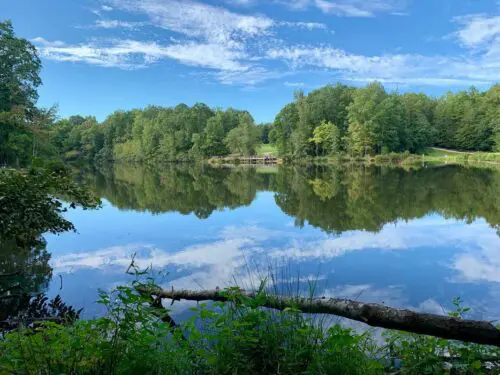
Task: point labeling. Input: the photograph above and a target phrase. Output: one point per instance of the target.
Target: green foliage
(265, 129)
(243, 139)
(430, 355)
(214, 134)
(367, 121)
(464, 120)
(237, 337)
(358, 140)
(137, 335)
(19, 79)
(326, 137)
(19, 71)
(417, 131)
(371, 121)
(128, 340)
(153, 134)
(284, 125)
(29, 204)
(266, 149)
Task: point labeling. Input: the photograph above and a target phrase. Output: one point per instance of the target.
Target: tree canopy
(372, 121)
(19, 79)
(332, 120)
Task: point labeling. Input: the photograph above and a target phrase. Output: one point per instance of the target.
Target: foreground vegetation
(240, 337)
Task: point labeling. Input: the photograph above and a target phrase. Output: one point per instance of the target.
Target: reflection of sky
(421, 264)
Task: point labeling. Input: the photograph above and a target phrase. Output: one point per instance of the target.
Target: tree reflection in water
(335, 199)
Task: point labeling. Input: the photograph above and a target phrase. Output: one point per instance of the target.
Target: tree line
(369, 120)
(335, 119)
(158, 133)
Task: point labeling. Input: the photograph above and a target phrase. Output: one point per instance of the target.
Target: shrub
(238, 337)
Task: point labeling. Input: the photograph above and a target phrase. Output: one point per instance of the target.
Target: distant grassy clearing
(266, 149)
(440, 154)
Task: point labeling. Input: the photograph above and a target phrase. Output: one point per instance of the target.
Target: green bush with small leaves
(237, 337)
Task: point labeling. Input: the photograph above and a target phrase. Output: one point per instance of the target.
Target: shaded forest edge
(336, 121)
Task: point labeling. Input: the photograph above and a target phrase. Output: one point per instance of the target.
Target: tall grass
(239, 337)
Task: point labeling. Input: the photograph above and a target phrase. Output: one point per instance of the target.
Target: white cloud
(355, 66)
(406, 69)
(116, 24)
(195, 19)
(252, 76)
(478, 30)
(244, 3)
(305, 25)
(207, 55)
(43, 42)
(106, 8)
(88, 53)
(210, 37)
(294, 84)
(131, 54)
(240, 49)
(349, 8)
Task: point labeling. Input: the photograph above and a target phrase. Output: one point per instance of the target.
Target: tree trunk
(376, 315)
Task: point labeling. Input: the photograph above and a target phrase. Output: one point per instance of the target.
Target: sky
(103, 55)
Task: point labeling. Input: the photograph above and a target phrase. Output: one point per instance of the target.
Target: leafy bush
(137, 336)
(235, 338)
(430, 355)
(29, 204)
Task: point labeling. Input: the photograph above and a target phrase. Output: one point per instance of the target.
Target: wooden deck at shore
(247, 159)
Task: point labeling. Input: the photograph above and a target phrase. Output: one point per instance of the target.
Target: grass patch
(266, 149)
(441, 155)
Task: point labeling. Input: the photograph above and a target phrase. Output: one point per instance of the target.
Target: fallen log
(375, 315)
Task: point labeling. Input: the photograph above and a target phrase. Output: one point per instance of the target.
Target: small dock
(256, 160)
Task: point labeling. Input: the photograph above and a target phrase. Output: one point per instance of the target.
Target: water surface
(413, 238)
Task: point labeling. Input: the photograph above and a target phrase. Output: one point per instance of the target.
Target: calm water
(405, 238)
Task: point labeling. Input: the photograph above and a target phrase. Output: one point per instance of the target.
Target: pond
(406, 238)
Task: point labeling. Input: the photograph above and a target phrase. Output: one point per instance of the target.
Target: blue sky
(103, 55)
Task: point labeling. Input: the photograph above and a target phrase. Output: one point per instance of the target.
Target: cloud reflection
(235, 248)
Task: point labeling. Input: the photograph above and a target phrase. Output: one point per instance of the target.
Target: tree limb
(376, 315)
